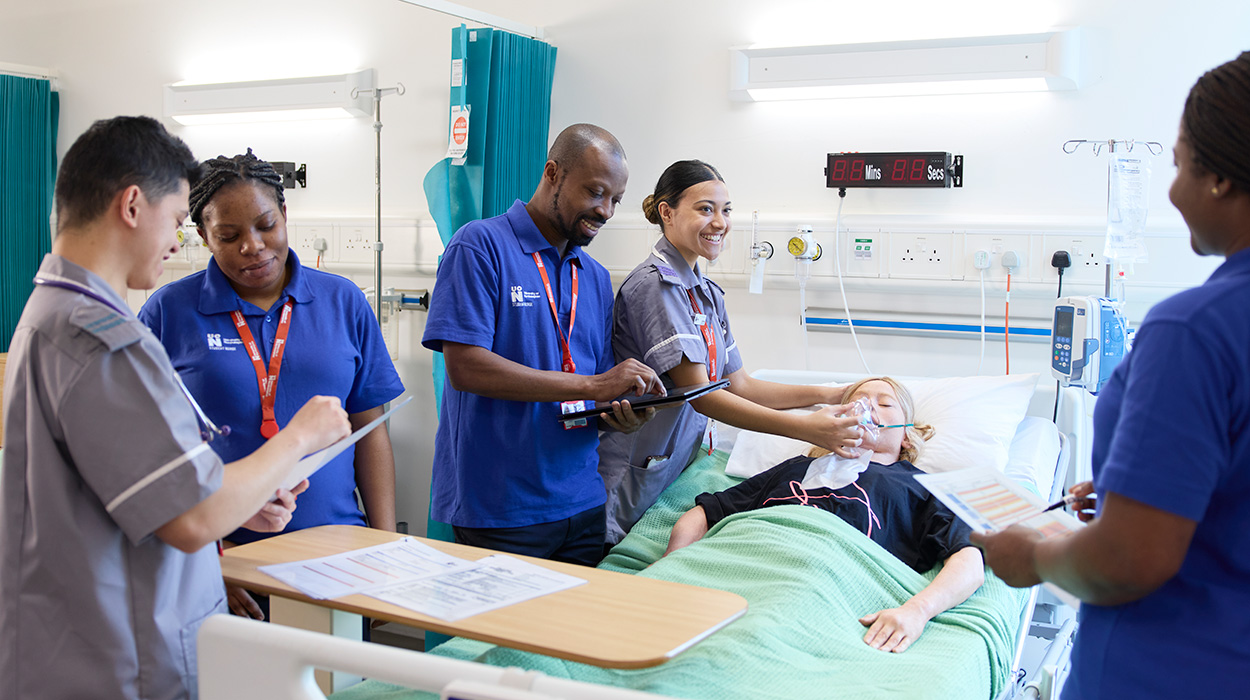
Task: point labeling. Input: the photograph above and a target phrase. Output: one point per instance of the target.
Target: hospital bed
(979, 644)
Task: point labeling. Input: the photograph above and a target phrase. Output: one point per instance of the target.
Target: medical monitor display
(896, 169)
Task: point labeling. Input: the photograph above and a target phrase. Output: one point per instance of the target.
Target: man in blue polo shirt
(524, 318)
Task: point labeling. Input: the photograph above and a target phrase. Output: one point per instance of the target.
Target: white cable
(982, 323)
(807, 355)
(837, 264)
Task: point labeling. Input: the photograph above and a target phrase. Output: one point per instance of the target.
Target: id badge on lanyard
(266, 381)
(703, 321)
(566, 354)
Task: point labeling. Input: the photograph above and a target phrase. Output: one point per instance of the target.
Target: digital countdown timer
(904, 169)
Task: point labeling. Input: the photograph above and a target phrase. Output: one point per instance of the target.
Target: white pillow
(975, 419)
(1034, 451)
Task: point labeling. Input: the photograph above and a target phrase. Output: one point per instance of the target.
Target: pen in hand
(1067, 501)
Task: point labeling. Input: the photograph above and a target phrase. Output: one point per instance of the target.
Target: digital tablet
(677, 395)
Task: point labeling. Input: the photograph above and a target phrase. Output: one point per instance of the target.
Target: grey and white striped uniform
(654, 321)
(102, 449)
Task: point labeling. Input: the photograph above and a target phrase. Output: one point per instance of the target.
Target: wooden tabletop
(614, 620)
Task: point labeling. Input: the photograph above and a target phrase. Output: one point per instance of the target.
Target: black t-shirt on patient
(886, 503)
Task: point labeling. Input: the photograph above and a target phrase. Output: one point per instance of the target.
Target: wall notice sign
(458, 144)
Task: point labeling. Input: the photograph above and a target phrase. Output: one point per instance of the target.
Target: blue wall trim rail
(913, 327)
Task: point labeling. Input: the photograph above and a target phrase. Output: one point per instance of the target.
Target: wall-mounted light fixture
(1009, 63)
(288, 99)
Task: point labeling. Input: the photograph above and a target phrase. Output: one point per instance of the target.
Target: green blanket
(808, 577)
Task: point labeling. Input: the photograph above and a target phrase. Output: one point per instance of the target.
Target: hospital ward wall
(656, 74)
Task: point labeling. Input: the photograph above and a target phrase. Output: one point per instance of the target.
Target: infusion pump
(1088, 339)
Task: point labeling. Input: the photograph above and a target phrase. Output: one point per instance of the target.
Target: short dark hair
(676, 179)
(222, 171)
(1216, 121)
(574, 141)
(114, 154)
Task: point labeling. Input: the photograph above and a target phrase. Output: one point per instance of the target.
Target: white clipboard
(307, 466)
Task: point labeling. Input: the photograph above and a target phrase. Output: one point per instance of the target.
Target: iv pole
(378, 94)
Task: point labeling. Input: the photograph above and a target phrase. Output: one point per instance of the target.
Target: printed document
(310, 464)
(497, 581)
(989, 501)
(416, 576)
(363, 570)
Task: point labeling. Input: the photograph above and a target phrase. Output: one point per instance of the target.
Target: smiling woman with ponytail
(669, 315)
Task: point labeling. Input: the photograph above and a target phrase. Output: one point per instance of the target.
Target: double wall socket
(922, 256)
(1088, 264)
(350, 241)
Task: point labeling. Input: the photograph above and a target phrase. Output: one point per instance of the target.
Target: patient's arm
(690, 528)
(896, 629)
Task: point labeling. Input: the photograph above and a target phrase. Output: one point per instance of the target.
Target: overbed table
(614, 620)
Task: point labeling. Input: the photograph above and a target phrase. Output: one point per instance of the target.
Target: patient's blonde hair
(915, 435)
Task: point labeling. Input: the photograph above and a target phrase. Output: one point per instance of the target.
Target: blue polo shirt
(334, 348)
(511, 463)
(1172, 430)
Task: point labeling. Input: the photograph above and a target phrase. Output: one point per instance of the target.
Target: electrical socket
(1088, 263)
(355, 244)
(992, 245)
(302, 236)
(917, 256)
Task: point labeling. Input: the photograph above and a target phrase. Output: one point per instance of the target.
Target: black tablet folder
(677, 395)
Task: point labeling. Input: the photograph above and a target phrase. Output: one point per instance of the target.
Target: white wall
(656, 74)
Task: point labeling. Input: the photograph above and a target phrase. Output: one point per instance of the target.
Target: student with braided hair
(1164, 567)
(314, 334)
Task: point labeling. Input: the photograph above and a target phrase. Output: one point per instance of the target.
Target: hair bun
(650, 210)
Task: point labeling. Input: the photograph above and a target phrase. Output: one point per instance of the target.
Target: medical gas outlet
(802, 247)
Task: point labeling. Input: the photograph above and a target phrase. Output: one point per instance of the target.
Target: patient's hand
(893, 629)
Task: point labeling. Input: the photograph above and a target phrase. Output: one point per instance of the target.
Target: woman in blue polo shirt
(1164, 568)
(311, 333)
(672, 318)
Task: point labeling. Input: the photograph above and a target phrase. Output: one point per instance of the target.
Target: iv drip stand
(378, 94)
(1070, 146)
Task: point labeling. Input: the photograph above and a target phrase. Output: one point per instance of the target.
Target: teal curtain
(507, 87)
(28, 119)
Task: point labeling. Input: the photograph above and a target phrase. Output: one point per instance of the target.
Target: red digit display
(899, 172)
(894, 169)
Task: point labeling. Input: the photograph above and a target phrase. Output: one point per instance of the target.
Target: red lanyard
(567, 360)
(267, 382)
(708, 336)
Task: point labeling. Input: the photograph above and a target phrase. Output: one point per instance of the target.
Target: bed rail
(242, 659)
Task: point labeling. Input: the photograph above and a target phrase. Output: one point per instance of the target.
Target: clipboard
(307, 466)
(678, 395)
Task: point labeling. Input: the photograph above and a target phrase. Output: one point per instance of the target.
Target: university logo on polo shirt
(216, 342)
(521, 297)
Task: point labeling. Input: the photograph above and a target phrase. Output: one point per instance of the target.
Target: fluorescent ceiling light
(1013, 63)
(288, 99)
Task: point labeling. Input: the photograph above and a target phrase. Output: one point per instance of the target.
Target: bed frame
(244, 660)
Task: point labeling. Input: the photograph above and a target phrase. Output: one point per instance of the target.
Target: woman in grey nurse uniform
(110, 500)
(671, 317)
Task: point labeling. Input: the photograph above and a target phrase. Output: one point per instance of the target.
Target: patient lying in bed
(885, 502)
